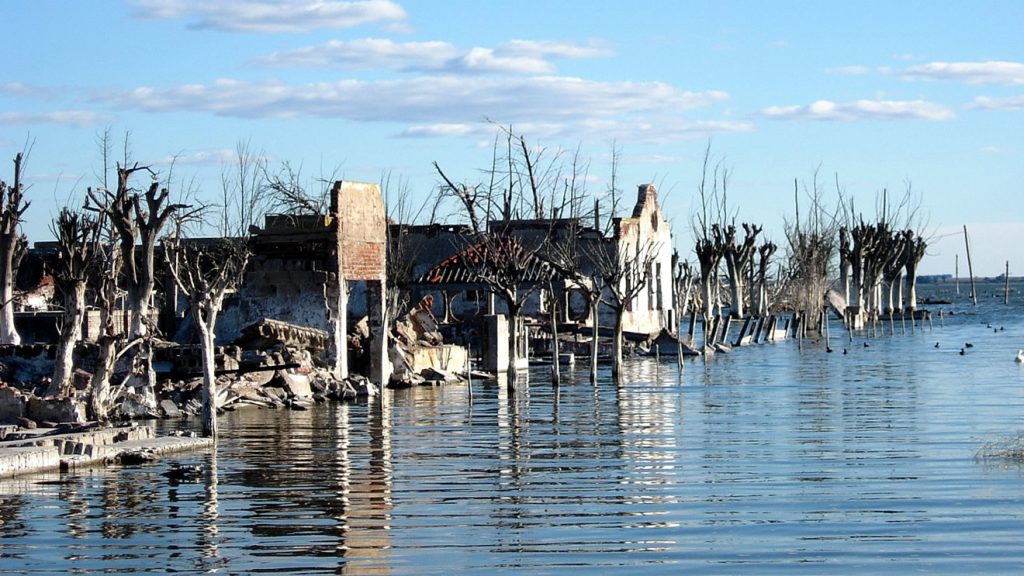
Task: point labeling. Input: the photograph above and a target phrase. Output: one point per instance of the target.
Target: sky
(924, 99)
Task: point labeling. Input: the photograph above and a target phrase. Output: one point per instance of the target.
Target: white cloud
(486, 60)
(438, 130)
(989, 103)
(221, 157)
(547, 48)
(74, 118)
(23, 90)
(861, 110)
(851, 70)
(990, 72)
(439, 99)
(368, 54)
(517, 56)
(267, 16)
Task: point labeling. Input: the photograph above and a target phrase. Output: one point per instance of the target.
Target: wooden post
(970, 269)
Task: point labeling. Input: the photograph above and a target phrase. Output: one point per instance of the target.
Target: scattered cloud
(861, 110)
(219, 157)
(73, 118)
(547, 48)
(517, 56)
(989, 103)
(989, 72)
(434, 100)
(438, 130)
(23, 90)
(849, 70)
(993, 150)
(367, 54)
(273, 16)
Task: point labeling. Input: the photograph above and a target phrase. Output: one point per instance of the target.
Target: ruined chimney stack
(645, 192)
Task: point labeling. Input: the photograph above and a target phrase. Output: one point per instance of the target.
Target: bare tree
(812, 240)
(205, 273)
(624, 268)
(762, 302)
(738, 258)
(78, 239)
(12, 248)
(139, 219)
(107, 294)
(401, 253)
(510, 266)
(709, 245)
(915, 247)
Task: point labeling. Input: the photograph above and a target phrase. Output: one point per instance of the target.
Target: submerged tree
(78, 240)
(498, 254)
(738, 257)
(625, 271)
(139, 219)
(12, 248)
(812, 240)
(205, 273)
(709, 244)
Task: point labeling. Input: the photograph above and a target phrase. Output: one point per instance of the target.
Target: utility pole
(970, 269)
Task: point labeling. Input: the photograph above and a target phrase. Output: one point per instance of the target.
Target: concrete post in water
(495, 350)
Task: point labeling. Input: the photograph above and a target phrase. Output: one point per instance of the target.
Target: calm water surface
(766, 460)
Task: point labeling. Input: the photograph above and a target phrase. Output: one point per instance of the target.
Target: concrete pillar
(495, 343)
(340, 329)
(380, 365)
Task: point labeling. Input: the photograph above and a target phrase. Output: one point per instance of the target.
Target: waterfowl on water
(1020, 356)
(961, 351)
(936, 344)
(968, 345)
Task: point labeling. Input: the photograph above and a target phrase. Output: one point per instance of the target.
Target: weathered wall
(361, 229)
(651, 309)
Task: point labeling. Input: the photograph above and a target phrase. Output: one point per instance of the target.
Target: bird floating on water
(936, 344)
(1020, 356)
(968, 345)
(961, 351)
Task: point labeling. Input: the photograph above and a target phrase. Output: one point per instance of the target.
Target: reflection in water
(767, 460)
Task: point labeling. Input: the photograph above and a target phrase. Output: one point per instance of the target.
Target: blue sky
(881, 95)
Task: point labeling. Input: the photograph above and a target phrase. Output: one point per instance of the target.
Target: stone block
(12, 405)
(297, 384)
(55, 410)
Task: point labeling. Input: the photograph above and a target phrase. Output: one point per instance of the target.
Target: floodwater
(772, 459)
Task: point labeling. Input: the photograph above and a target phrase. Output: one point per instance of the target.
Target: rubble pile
(271, 365)
(419, 355)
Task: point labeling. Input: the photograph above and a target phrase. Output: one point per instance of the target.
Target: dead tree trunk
(205, 274)
(78, 240)
(12, 246)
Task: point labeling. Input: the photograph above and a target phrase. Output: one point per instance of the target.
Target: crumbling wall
(293, 290)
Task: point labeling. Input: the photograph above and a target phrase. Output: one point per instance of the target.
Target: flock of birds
(963, 351)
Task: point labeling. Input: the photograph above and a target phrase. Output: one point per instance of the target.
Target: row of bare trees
(874, 259)
(109, 255)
